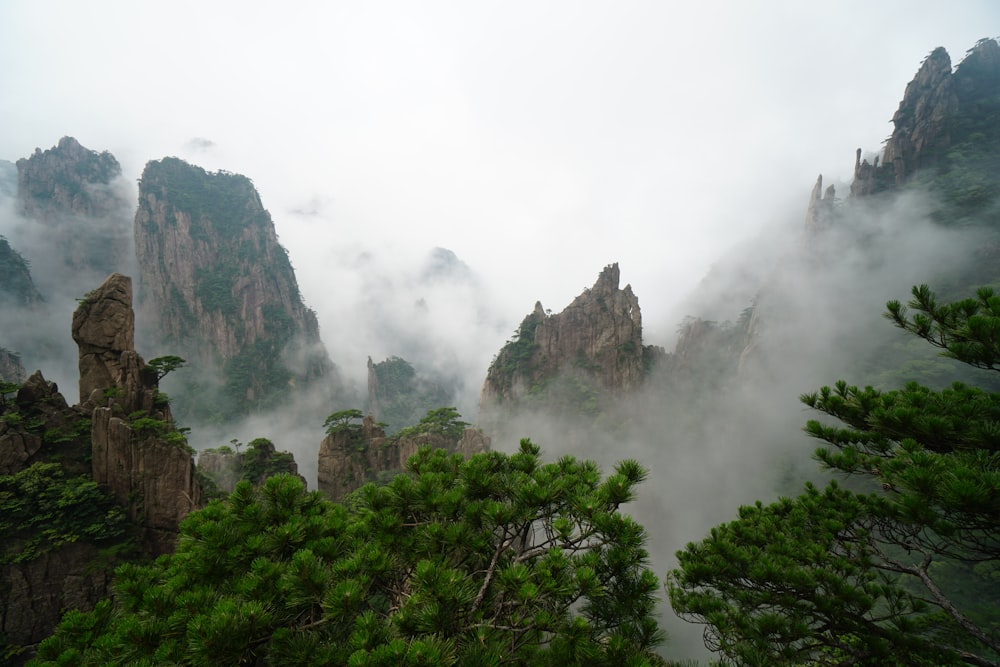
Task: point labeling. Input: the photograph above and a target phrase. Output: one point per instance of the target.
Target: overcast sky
(537, 140)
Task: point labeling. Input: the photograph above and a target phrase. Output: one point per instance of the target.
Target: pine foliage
(898, 568)
(498, 559)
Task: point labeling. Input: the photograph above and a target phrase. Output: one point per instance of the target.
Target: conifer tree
(495, 560)
(903, 567)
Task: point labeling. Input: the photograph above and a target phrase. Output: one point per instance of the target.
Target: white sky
(537, 140)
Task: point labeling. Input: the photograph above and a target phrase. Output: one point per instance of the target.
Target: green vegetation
(441, 421)
(215, 199)
(515, 357)
(344, 421)
(262, 461)
(214, 287)
(498, 559)
(402, 396)
(15, 277)
(6, 390)
(42, 509)
(900, 568)
(161, 366)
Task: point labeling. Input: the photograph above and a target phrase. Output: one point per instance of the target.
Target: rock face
(398, 396)
(598, 337)
(940, 109)
(142, 461)
(16, 286)
(218, 287)
(11, 368)
(820, 210)
(80, 198)
(260, 461)
(348, 461)
(36, 593)
(104, 331)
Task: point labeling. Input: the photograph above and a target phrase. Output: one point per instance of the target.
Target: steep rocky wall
(11, 369)
(940, 108)
(598, 336)
(349, 462)
(80, 198)
(217, 287)
(149, 470)
(35, 594)
(16, 286)
(153, 479)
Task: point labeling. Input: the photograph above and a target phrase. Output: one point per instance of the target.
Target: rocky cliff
(590, 351)
(226, 467)
(16, 286)
(137, 453)
(11, 369)
(398, 396)
(81, 201)
(84, 486)
(941, 110)
(218, 288)
(349, 459)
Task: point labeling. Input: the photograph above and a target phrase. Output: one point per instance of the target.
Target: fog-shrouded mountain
(715, 418)
(218, 289)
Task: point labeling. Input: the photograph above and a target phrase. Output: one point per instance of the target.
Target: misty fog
(433, 173)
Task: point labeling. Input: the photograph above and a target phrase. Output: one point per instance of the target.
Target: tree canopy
(497, 559)
(899, 566)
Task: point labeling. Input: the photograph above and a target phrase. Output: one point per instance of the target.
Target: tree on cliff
(902, 570)
(498, 559)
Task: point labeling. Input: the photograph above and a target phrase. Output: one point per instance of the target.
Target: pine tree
(495, 560)
(903, 568)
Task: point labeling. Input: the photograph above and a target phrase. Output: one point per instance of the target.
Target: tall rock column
(147, 468)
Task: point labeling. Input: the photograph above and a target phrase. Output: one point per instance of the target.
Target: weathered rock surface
(16, 286)
(11, 368)
(80, 197)
(940, 108)
(218, 287)
(153, 478)
(598, 337)
(34, 594)
(104, 331)
(37, 401)
(820, 210)
(260, 461)
(347, 463)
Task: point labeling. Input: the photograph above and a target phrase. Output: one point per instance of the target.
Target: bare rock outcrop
(597, 337)
(104, 331)
(216, 284)
(820, 210)
(349, 460)
(144, 464)
(261, 460)
(36, 593)
(152, 478)
(80, 198)
(16, 285)
(11, 368)
(940, 108)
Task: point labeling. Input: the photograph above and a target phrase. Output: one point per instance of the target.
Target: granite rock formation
(218, 288)
(16, 286)
(11, 368)
(226, 468)
(940, 109)
(81, 201)
(596, 340)
(349, 460)
(144, 464)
